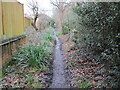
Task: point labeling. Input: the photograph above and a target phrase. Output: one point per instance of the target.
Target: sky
(43, 5)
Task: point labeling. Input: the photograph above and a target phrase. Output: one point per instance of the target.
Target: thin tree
(34, 7)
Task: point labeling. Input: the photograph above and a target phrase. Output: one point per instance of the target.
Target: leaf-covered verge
(30, 66)
(95, 54)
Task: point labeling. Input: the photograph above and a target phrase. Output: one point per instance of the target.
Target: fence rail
(9, 46)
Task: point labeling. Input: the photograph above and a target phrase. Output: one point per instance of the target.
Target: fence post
(1, 27)
(0, 59)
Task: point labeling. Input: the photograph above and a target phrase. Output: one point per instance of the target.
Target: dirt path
(59, 80)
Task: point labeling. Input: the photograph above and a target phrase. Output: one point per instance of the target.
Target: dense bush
(99, 30)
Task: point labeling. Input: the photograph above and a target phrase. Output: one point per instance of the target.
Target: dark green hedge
(100, 33)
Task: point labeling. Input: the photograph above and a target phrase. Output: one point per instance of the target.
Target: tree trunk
(34, 23)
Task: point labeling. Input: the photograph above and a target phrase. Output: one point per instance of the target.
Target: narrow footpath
(59, 80)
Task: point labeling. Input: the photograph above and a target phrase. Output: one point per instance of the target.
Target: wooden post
(1, 59)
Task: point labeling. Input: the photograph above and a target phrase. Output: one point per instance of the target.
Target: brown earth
(81, 70)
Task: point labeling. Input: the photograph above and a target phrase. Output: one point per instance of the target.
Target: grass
(37, 85)
(30, 79)
(31, 58)
(71, 64)
(84, 84)
(36, 55)
(1, 75)
(34, 69)
(58, 33)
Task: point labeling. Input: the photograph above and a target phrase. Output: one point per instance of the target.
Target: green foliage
(71, 24)
(74, 35)
(70, 64)
(100, 34)
(84, 84)
(37, 85)
(44, 68)
(34, 69)
(35, 56)
(58, 33)
(71, 20)
(48, 36)
(30, 79)
(28, 61)
(51, 23)
(0, 74)
(4, 70)
(47, 39)
(65, 29)
(32, 56)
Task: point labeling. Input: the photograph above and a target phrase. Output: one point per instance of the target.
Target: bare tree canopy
(61, 9)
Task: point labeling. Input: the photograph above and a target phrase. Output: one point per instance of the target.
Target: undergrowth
(34, 56)
(30, 59)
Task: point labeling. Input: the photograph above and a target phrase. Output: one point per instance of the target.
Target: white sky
(43, 4)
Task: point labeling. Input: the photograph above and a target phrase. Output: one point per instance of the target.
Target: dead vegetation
(83, 73)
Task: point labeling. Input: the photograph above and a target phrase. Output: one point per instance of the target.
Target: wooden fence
(27, 22)
(11, 29)
(9, 46)
(1, 29)
(12, 19)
